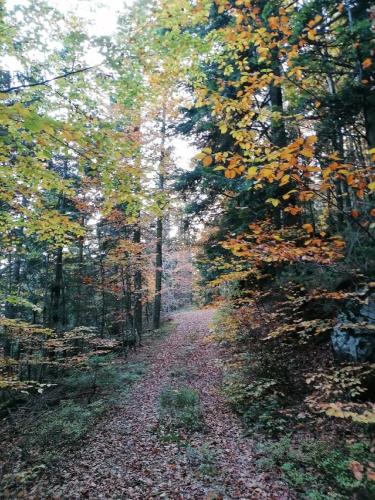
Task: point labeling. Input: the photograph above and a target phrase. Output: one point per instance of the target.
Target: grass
(165, 329)
(179, 408)
(182, 373)
(203, 459)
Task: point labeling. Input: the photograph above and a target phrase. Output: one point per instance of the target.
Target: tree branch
(47, 81)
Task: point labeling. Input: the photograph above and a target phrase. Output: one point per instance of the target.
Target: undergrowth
(55, 426)
(180, 408)
(202, 459)
(320, 469)
(279, 387)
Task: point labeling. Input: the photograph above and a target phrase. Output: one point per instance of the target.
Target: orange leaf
(273, 22)
(230, 174)
(367, 63)
(357, 469)
(207, 161)
(311, 34)
(308, 228)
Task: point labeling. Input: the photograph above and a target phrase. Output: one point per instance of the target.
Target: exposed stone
(368, 309)
(353, 337)
(354, 341)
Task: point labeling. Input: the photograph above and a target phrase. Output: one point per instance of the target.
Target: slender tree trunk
(126, 286)
(46, 287)
(158, 272)
(14, 282)
(138, 313)
(103, 315)
(369, 110)
(78, 302)
(159, 230)
(56, 319)
(341, 191)
(280, 139)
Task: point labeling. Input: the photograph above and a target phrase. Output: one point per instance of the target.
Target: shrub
(203, 458)
(321, 470)
(104, 375)
(265, 416)
(64, 426)
(180, 408)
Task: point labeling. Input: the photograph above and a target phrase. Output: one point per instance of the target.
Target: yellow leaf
(287, 195)
(311, 34)
(224, 128)
(311, 139)
(252, 172)
(308, 153)
(275, 202)
(200, 156)
(284, 180)
(371, 186)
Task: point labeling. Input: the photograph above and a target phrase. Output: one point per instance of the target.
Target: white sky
(103, 13)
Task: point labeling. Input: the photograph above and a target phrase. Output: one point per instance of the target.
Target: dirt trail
(125, 457)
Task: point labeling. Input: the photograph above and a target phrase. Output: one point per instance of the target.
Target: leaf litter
(126, 456)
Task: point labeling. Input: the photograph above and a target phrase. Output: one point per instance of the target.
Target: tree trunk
(280, 139)
(13, 284)
(158, 272)
(369, 110)
(138, 313)
(46, 287)
(56, 319)
(78, 301)
(159, 230)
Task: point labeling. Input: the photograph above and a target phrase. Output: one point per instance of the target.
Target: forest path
(126, 457)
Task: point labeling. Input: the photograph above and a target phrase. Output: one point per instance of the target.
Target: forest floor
(131, 454)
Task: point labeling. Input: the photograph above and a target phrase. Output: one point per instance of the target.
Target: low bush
(102, 375)
(265, 416)
(180, 408)
(320, 470)
(64, 426)
(203, 459)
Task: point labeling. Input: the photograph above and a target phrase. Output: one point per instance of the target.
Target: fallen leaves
(124, 457)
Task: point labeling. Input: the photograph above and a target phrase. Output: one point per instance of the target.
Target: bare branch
(47, 81)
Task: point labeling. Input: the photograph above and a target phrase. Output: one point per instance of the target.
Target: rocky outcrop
(353, 337)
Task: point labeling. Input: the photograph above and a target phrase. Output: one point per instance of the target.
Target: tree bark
(56, 319)
(159, 231)
(138, 312)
